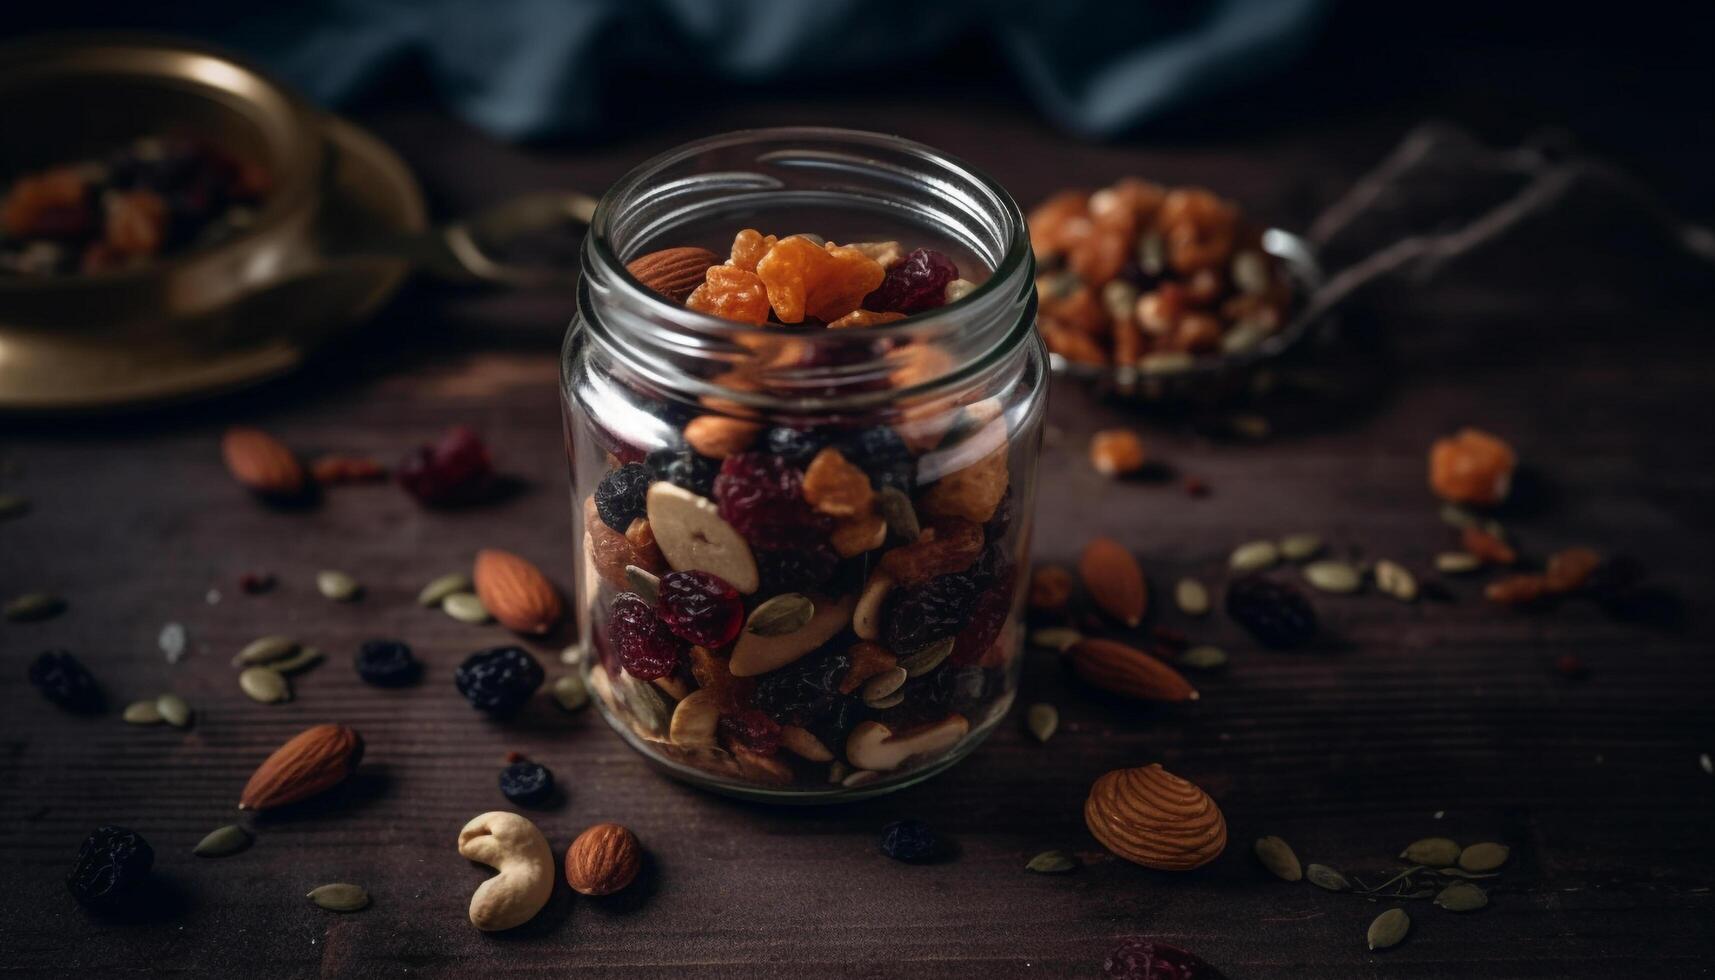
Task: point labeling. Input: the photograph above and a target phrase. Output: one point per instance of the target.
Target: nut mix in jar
(804, 462)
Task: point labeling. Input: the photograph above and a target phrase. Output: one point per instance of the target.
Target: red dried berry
(753, 729)
(700, 608)
(988, 616)
(647, 648)
(762, 497)
(917, 283)
(1195, 487)
(456, 470)
(1146, 959)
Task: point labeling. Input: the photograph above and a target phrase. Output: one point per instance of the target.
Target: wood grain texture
(1405, 721)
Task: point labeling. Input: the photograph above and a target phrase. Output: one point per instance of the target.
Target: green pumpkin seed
(570, 692)
(1299, 547)
(1457, 562)
(1276, 855)
(896, 510)
(1462, 896)
(340, 897)
(883, 685)
(337, 585)
(1389, 928)
(223, 841)
(1191, 596)
(12, 505)
(781, 615)
(265, 650)
(1432, 852)
(142, 713)
(1323, 876)
(1203, 658)
(440, 588)
(1392, 578)
(1061, 638)
(264, 684)
(1043, 720)
(1254, 556)
(305, 657)
(173, 710)
(1486, 856)
(32, 606)
(1454, 515)
(928, 658)
(1052, 863)
(644, 582)
(465, 607)
(1332, 576)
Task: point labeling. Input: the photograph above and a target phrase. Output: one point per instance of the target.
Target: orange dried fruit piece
(1517, 590)
(1471, 467)
(835, 487)
(868, 659)
(944, 547)
(1488, 547)
(855, 535)
(804, 279)
(748, 248)
(731, 294)
(1050, 589)
(1117, 452)
(864, 318)
(970, 494)
(713, 673)
(1570, 569)
(645, 553)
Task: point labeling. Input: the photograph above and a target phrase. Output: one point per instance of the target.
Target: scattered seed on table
(264, 684)
(1052, 863)
(173, 710)
(1254, 556)
(1043, 721)
(1191, 596)
(440, 588)
(1395, 580)
(1203, 657)
(465, 607)
(1389, 928)
(1457, 562)
(340, 897)
(1298, 547)
(570, 692)
(1332, 576)
(1060, 638)
(173, 640)
(223, 841)
(306, 657)
(337, 585)
(32, 606)
(142, 713)
(266, 649)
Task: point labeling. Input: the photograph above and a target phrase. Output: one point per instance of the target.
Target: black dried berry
(804, 691)
(1278, 615)
(527, 783)
(684, 468)
(500, 680)
(619, 497)
(796, 446)
(917, 617)
(795, 569)
(911, 841)
(880, 452)
(388, 663)
(66, 682)
(111, 865)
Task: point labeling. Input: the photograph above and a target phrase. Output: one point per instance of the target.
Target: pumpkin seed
(1432, 852)
(1299, 547)
(1254, 556)
(897, 511)
(883, 685)
(1332, 576)
(893, 700)
(1454, 515)
(1392, 578)
(142, 713)
(442, 587)
(1389, 928)
(860, 777)
(1203, 658)
(337, 585)
(173, 710)
(1486, 856)
(1323, 876)
(465, 607)
(1191, 596)
(12, 505)
(1061, 638)
(1457, 562)
(1276, 855)
(340, 897)
(305, 657)
(570, 692)
(265, 650)
(1052, 863)
(264, 684)
(1043, 720)
(32, 606)
(222, 841)
(1462, 896)
(928, 658)
(644, 582)
(781, 615)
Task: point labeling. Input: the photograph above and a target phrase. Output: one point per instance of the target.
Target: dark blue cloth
(535, 68)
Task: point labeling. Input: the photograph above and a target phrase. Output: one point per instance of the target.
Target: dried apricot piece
(855, 535)
(713, 673)
(835, 487)
(803, 279)
(864, 318)
(731, 294)
(945, 547)
(1570, 569)
(970, 494)
(1486, 546)
(748, 248)
(1471, 467)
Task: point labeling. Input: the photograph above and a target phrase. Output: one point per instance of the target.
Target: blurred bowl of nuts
(1164, 294)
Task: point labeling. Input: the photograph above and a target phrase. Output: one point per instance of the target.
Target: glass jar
(804, 550)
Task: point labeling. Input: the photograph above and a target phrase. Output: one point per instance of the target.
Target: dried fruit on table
(673, 272)
(748, 248)
(732, 294)
(456, 470)
(835, 487)
(1112, 577)
(803, 279)
(916, 284)
(1278, 615)
(1471, 467)
(498, 681)
(646, 648)
(64, 680)
(1151, 817)
(864, 318)
(387, 663)
(945, 547)
(1146, 959)
(1487, 546)
(337, 468)
(912, 842)
(527, 783)
(1117, 452)
(262, 462)
(112, 865)
(1570, 569)
(1050, 589)
(1128, 671)
(1517, 590)
(311, 762)
(516, 592)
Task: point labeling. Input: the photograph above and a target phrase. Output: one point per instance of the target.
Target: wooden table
(1406, 721)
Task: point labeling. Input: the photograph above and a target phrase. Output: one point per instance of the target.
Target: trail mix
(1149, 277)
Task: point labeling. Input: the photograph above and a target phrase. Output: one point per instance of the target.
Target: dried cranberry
(762, 497)
(65, 681)
(1278, 615)
(700, 607)
(917, 617)
(795, 569)
(1146, 959)
(753, 729)
(456, 470)
(796, 446)
(917, 283)
(387, 663)
(987, 616)
(647, 648)
(804, 691)
(619, 497)
(912, 841)
(498, 681)
(684, 468)
(112, 863)
(527, 783)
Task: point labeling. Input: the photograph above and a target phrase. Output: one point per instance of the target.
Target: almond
(718, 437)
(262, 462)
(1114, 580)
(315, 760)
(604, 859)
(1489, 547)
(1151, 817)
(673, 272)
(515, 592)
(1128, 671)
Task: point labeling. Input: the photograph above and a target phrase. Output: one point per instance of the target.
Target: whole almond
(604, 859)
(718, 437)
(262, 462)
(315, 760)
(515, 592)
(673, 272)
(1151, 817)
(1114, 580)
(1128, 671)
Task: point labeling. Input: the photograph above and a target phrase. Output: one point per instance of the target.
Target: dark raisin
(498, 681)
(806, 690)
(795, 569)
(66, 682)
(987, 616)
(753, 729)
(387, 663)
(700, 607)
(912, 841)
(456, 470)
(647, 649)
(1278, 615)
(684, 468)
(619, 497)
(762, 497)
(796, 446)
(916, 617)
(111, 866)
(837, 719)
(881, 453)
(527, 783)
(1146, 959)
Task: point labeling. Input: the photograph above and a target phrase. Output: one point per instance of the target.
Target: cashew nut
(694, 720)
(514, 847)
(866, 618)
(873, 745)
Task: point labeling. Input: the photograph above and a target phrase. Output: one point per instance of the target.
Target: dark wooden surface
(1406, 721)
